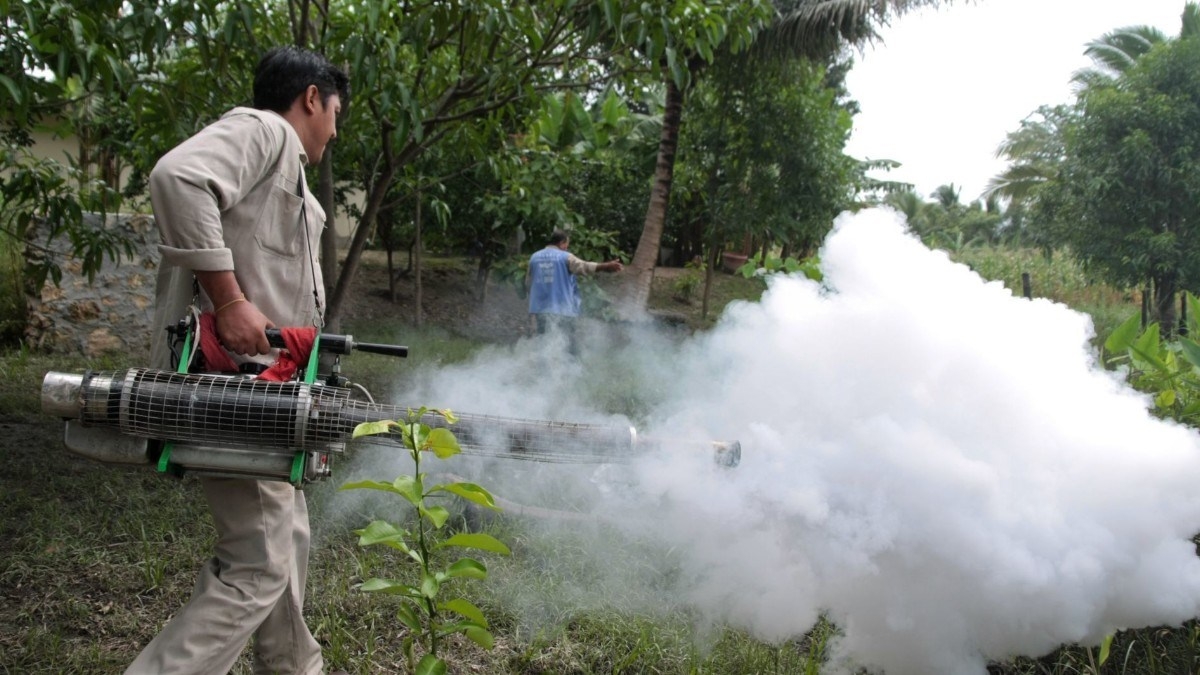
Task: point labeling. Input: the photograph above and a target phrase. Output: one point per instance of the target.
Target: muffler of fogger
(216, 424)
(236, 425)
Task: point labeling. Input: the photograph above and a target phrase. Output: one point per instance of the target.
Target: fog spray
(941, 468)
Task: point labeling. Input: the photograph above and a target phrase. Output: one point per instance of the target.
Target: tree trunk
(714, 259)
(391, 269)
(418, 314)
(1183, 318)
(1164, 305)
(354, 252)
(482, 274)
(329, 235)
(635, 290)
(1146, 295)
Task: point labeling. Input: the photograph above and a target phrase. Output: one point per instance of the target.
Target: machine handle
(341, 344)
(377, 348)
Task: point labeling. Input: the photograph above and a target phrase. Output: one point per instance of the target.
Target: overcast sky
(945, 86)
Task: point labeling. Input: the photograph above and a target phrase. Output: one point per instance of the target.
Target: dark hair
(559, 237)
(286, 72)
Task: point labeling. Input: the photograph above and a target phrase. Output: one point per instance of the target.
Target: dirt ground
(451, 299)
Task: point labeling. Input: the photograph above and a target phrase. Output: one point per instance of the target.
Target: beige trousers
(253, 586)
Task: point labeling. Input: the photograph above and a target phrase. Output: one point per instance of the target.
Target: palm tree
(1036, 148)
(948, 196)
(910, 205)
(1115, 52)
(1035, 151)
(800, 29)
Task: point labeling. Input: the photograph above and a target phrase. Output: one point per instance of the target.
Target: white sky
(945, 86)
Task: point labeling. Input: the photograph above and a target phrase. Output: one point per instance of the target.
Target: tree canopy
(486, 109)
(1112, 175)
(1128, 193)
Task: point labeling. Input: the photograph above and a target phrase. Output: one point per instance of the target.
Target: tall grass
(1058, 276)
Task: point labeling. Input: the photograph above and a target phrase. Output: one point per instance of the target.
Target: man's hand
(611, 266)
(242, 329)
(240, 326)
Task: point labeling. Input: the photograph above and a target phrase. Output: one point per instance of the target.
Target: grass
(94, 559)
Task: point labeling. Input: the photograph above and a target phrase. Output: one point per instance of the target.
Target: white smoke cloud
(939, 467)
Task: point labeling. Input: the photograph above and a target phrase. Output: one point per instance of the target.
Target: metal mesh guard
(218, 409)
(238, 411)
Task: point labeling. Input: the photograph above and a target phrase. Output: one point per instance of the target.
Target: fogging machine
(238, 425)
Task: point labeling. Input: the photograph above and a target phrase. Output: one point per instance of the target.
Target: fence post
(1183, 329)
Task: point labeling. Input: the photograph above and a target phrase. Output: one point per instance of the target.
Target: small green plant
(423, 608)
(684, 286)
(810, 267)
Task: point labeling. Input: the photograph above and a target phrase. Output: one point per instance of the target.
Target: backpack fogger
(239, 425)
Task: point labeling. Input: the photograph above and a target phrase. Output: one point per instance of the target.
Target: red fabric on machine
(298, 341)
(215, 356)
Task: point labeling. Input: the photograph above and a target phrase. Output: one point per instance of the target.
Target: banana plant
(1169, 370)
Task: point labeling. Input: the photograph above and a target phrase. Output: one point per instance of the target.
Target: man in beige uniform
(236, 216)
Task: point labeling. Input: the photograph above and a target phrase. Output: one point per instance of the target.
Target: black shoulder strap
(302, 191)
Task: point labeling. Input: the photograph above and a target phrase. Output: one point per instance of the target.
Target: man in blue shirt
(554, 299)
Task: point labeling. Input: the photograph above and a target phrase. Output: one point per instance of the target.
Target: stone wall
(112, 314)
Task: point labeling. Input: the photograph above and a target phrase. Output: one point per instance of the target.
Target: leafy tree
(568, 166)
(947, 196)
(679, 38)
(606, 189)
(1128, 195)
(442, 66)
(763, 157)
(1037, 148)
(92, 70)
(909, 204)
(789, 29)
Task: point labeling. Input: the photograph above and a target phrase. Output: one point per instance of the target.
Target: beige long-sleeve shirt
(230, 198)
